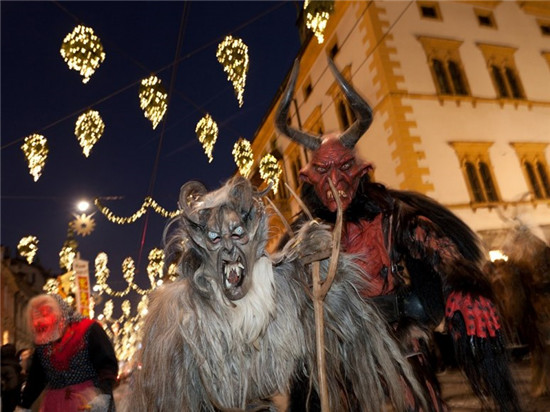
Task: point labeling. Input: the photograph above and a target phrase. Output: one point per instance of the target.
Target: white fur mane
(251, 314)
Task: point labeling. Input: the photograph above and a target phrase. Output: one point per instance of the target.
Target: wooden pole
(320, 290)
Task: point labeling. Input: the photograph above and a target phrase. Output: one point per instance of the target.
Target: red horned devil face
(332, 160)
(46, 323)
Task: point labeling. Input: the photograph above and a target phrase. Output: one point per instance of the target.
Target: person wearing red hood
(74, 360)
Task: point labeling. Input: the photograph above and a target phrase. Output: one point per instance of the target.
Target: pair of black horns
(362, 110)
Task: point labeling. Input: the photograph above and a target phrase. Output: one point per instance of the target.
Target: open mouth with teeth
(233, 278)
(341, 193)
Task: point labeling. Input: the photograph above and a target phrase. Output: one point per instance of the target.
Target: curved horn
(307, 140)
(362, 110)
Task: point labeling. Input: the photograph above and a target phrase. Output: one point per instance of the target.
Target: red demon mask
(333, 155)
(332, 160)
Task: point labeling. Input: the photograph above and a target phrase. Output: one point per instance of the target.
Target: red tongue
(233, 277)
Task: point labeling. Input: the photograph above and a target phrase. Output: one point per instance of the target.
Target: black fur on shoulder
(459, 232)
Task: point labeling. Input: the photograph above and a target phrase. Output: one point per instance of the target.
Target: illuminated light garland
(270, 171)
(244, 158)
(154, 268)
(89, 129)
(172, 272)
(156, 263)
(207, 133)
(27, 247)
(36, 152)
(317, 15)
(233, 56)
(82, 51)
(148, 202)
(51, 286)
(152, 99)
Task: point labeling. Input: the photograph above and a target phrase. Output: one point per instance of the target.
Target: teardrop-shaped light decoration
(207, 133)
(36, 152)
(27, 247)
(152, 99)
(270, 171)
(233, 55)
(244, 158)
(89, 129)
(82, 51)
(317, 15)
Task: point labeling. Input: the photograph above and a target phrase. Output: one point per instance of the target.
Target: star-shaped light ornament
(82, 51)
(27, 247)
(270, 171)
(207, 133)
(36, 151)
(317, 15)
(83, 224)
(244, 158)
(233, 56)
(89, 129)
(152, 99)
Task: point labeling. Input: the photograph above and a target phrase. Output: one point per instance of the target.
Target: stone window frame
(478, 172)
(535, 167)
(503, 71)
(446, 65)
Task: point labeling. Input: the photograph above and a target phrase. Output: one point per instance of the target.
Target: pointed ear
(304, 177)
(190, 194)
(366, 168)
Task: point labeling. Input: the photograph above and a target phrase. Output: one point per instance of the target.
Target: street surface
(456, 392)
(459, 397)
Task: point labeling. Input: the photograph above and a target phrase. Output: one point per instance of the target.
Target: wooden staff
(320, 290)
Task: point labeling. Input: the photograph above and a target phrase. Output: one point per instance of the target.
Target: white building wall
(479, 117)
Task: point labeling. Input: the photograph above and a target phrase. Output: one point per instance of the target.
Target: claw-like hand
(479, 314)
(313, 242)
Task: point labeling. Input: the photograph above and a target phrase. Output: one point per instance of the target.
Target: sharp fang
(341, 194)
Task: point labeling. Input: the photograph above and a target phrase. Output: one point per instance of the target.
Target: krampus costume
(232, 330)
(522, 288)
(73, 361)
(422, 264)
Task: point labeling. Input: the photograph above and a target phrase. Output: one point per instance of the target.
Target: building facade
(19, 282)
(461, 98)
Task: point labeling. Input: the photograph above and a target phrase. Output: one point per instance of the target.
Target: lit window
(502, 68)
(445, 65)
(535, 168)
(478, 171)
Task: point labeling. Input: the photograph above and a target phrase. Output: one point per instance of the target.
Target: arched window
(513, 82)
(544, 178)
(473, 180)
(488, 183)
(499, 81)
(441, 77)
(456, 77)
(533, 180)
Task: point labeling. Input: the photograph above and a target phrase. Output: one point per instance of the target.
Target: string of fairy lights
(82, 50)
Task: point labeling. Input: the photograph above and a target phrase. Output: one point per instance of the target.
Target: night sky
(40, 94)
